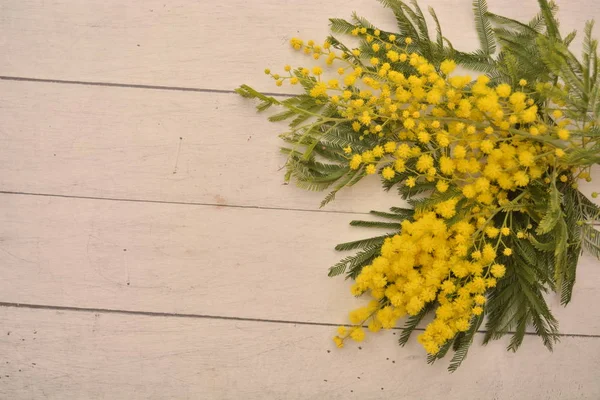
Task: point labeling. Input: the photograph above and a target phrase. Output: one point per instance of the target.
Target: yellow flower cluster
(428, 261)
(476, 143)
(478, 130)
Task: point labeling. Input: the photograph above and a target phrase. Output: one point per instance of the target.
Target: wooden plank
(220, 261)
(173, 258)
(202, 43)
(204, 148)
(57, 355)
(153, 145)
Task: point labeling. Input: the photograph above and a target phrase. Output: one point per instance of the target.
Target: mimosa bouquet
(489, 166)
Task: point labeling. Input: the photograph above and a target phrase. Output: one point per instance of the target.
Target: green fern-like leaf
(538, 23)
(362, 21)
(549, 20)
(412, 322)
(560, 252)
(395, 216)
(518, 301)
(375, 224)
(553, 214)
(477, 61)
(432, 358)
(346, 180)
(484, 27)
(409, 192)
(461, 352)
(282, 116)
(359, 244)
(517, 339)
(249, 93)
(403, 211)
(405, 25)
(355, 263)
(515, 25)
(438, 29)
(570, 37)
(548, 246)
(568, 283)
(419, 18)
(591, 240)
(338, 25)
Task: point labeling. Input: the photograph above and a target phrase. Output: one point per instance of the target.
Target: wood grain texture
(153, 145)
(217, 261)
(58, 355)
(202, 43)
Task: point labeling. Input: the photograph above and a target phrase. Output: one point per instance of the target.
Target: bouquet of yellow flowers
(489, 167)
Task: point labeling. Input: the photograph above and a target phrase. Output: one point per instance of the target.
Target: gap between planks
(185, 203)
(134, 86)
(218, 317)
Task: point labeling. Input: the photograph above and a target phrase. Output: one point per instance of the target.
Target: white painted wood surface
(64, 355)
(208, 228)
(219, 261)
(204, 44)
(208, 148)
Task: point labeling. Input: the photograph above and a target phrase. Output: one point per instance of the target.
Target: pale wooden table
(148, 249)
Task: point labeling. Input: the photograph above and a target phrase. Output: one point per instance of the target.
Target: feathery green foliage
(412, 323)
(462, 344)
(484, 27)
